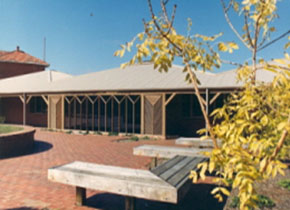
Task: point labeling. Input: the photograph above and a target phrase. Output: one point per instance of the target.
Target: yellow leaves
(203, 167)
(211, 166)
(227, 47)
(263, 164)
(140, 36)
(194, 176)
(123, 65)
(208, 38)
(281, 125)
(264, 120)
(216, 192)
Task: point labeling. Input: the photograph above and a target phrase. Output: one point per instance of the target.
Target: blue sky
(82, 35)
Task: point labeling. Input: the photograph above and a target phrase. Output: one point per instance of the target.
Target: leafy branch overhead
(254, 123)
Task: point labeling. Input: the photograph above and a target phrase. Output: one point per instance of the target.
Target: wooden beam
(112, 114)
(164, 115)
(203, 101)
(24, 109)
(130, 203)
(170, 99)
(45, 99)
(22, 99)
(214, 98)
(62, 112)
(99, 113)
(142, 114)
(207, 108)
(28, 99)
(126, 115)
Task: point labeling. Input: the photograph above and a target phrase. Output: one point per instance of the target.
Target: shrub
(2, 119)
(134, 138)
(262, 202)
(98, 133)
(285, 183)
(113, 134)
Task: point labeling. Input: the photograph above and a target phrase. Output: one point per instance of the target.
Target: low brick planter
(17, 143)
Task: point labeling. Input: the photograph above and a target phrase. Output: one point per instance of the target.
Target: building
(135, 100)
(18, 62)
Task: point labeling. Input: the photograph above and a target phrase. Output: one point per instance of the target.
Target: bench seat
(167, 151)
(168, 182)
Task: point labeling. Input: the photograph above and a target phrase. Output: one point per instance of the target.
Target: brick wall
(17, 143)
(14, 69)
(13, 113)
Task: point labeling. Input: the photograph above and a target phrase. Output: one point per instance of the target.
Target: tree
(254, 123)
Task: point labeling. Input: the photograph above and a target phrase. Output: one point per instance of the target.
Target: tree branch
(274, 40)
(191, 74)
(231, 25)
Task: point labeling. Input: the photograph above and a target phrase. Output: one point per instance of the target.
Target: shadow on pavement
(198, 197)
(38, 147)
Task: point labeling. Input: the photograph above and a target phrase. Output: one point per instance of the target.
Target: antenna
(44, 48)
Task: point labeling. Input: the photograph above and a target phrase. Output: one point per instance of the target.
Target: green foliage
(2, 119)
(134, 138)
(285, 183)
(68, 132)
(9, 129)
(98, 133)
(113, 134)
(235, 202)
(262, 202)
(145, 138)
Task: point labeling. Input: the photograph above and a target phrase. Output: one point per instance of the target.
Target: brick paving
(23, 179)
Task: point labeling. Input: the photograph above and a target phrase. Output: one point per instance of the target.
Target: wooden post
(63, 112)
(206, 107)
(24, 109)
(80, 196)
(99, 113)
(87, 112)
(112, 114)
(75, 113)
(126, 115)
(164, 115)
(142, 114)
(93, 116)
(130, 203)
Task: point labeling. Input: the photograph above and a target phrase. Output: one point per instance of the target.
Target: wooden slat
(182, 182)
(196, 142)
(167, 151)
(170, 99)
(173, 170)
(28, 99)
(45, 99)
(214, 98)
(165, 166)
(185, 171)
(118, 180)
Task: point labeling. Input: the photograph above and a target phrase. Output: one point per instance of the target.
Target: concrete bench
(166, 152)
(195, 142)
(166, 183)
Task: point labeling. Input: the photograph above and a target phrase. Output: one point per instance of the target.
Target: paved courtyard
(23, 179)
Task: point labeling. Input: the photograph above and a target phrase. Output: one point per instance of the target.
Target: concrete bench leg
(154, 162)
(130, 203)
(80, 196)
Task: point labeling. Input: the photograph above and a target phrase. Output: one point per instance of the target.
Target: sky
(82, 35)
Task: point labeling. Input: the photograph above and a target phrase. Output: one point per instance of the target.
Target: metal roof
(33, 82)
(140, 77)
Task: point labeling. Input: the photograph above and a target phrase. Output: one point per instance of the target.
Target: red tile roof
(19, 56)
